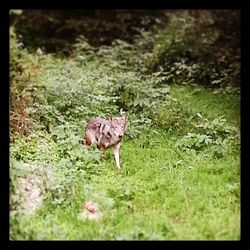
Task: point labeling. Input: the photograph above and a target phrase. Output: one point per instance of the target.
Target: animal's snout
(120, 136)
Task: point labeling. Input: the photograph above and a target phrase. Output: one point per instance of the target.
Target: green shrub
(190, 50)
(24, 92)
(215, 134)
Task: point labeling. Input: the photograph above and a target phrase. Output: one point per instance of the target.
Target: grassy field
(161, 193)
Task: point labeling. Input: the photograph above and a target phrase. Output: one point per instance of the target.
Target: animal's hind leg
(89, 138)
(102, 154)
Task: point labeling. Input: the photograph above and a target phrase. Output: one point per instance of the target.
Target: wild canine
(106, 134)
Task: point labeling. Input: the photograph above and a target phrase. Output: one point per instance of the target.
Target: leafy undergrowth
(167, 189)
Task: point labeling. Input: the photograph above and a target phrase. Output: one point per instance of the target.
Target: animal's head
(118, 125)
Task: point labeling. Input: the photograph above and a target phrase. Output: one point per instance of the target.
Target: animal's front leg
(116, 150)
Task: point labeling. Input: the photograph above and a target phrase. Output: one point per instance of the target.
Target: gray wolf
(106, 133)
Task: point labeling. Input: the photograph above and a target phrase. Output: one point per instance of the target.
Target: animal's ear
(110, 118)
(126, 117)
(122, 113)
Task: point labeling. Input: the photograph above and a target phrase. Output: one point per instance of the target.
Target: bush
(24, 91)
(215, 134)
(200, 47)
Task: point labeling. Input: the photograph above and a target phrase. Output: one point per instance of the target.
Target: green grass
(161, 193)
(206, 102)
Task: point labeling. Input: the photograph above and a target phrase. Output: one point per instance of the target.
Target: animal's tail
(85, 142)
